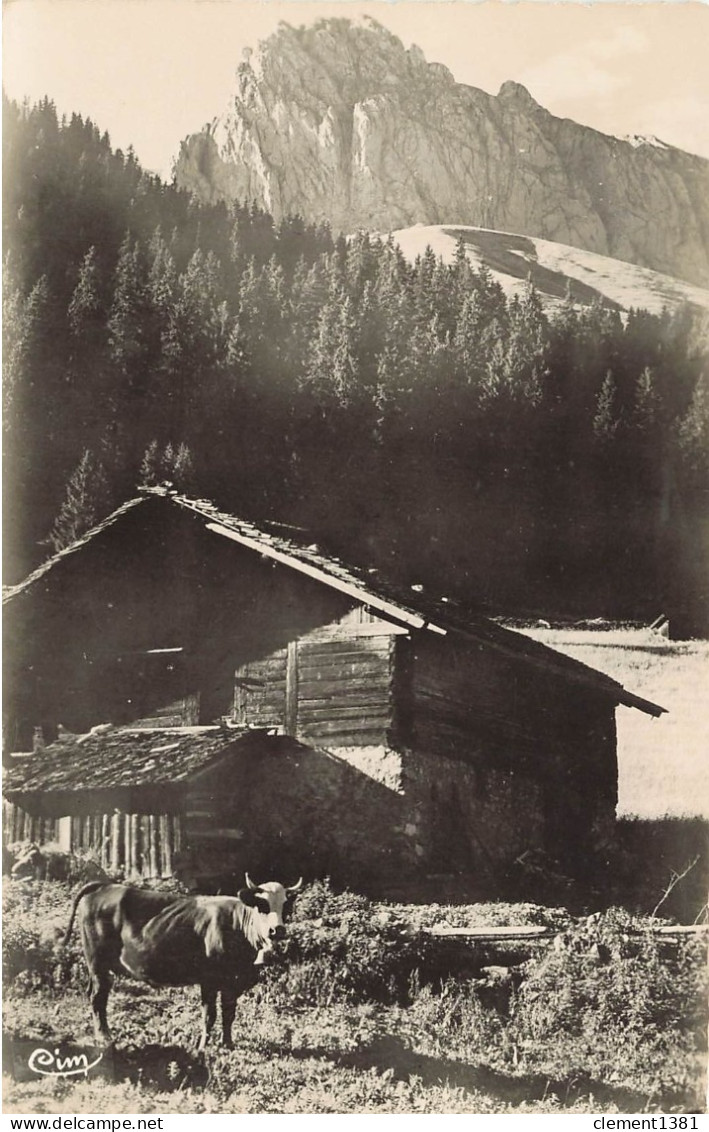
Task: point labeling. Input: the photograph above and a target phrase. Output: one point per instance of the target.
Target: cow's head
(270, 900)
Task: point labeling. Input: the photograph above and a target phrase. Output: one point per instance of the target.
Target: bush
(35, 918)
(608, 1004)
(342, 948)
(617, 1006)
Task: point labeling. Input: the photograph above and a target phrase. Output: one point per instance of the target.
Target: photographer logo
(50, 1063)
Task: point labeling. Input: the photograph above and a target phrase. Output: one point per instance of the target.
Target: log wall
(18, 825)
(331, 687)
(129, 845)
(533, 728)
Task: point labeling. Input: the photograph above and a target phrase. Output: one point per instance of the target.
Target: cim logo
(50, 1063)
(26, 1059)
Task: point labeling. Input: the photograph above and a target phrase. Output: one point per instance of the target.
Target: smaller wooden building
(204, 804)
(129, 797)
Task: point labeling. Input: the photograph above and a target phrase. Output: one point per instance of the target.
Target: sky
(153, 71)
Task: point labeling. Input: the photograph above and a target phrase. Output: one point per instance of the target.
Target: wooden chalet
(255, 703)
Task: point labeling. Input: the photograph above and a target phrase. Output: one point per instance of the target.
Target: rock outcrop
(339, 122)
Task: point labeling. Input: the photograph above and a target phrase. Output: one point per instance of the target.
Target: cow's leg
(209, 1013)
(98, 993)
(229, 997)
(99, 962)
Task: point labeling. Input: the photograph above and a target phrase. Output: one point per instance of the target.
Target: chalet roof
(10, 592)
(411, 606)
(109, 758)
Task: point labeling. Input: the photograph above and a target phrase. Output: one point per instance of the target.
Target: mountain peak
(515, 93)
(337, 121)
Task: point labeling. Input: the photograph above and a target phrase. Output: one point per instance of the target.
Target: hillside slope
(554, 269)
(339, 122)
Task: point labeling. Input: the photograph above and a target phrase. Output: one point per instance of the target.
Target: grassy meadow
(663, 768)
(368, 1014)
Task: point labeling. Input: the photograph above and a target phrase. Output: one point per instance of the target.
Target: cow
(218, 942)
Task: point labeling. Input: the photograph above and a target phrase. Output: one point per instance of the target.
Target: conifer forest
(408, 417)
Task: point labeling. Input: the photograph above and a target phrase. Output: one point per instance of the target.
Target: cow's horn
(250, 884)
(295, 887)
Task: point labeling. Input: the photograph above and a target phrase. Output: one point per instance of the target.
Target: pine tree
(85, 308)
(692, 433)
(648, 405)
(24, 338)
(467, 341)
(167, 463)
(161, 284)
(85, 503)
(461, 274)
(125, 320)
(149, 474)
(183, 473)
(606, 421)
(331, 368)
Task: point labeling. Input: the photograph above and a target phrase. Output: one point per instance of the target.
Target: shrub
(615, 1005)
(341, 948)
(34, 920)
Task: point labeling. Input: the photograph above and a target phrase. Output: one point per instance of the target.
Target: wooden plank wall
(139, 845)
(134, 845)
(17, 825)
(333, 687)
(180, 713)
(260, 691)
(345, 689)
(464, 699)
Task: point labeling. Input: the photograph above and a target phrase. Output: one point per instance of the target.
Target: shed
(428, 738)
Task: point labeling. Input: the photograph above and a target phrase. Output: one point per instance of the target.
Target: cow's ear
(247, 896)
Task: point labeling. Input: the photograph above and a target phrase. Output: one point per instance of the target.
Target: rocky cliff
(339, 122)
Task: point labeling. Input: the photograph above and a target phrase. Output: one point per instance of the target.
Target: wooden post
(165, 845)
(290, 723)
(153, 867)
(115, 853)
(135, 843)
(144, 845)
(105, 840)
(128, 841)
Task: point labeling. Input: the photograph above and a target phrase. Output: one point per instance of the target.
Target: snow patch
(623, 283)
(636, 140)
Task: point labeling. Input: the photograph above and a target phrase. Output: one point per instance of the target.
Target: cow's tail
(91, 887)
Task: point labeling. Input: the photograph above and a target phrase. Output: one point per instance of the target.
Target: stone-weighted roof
(115, 757)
